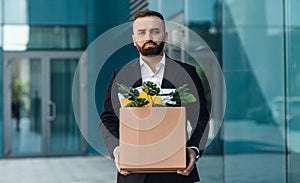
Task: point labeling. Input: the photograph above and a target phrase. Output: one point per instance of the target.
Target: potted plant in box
(151, 122)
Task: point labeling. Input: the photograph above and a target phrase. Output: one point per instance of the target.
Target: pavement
(253, 153)
(86, 169)
(234, 168)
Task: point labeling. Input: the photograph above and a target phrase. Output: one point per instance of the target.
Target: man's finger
(190, 165)
(123, 172)
(192, 161)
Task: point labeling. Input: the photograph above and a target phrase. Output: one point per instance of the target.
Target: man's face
(149, 35)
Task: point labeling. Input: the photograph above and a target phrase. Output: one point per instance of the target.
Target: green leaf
(150, 88)
(183, 89)
(188, 98)
(123, 89)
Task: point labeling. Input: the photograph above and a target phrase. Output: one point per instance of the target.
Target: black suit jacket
(176, 74)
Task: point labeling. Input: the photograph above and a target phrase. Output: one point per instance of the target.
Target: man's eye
(155, 31)
(141, 33)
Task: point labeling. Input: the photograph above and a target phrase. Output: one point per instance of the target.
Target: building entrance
(38, 113)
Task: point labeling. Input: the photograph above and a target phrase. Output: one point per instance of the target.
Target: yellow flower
(152, 99)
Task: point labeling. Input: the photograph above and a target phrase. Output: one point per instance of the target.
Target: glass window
(65, 135)
(292, 12)
(1, 117)
(25, 124)
(169, 8)
(23, 37)
(15, 11)
(204, 19)
(292, 115)
(293, 103)
(1, 99)
(253, 65)
(252, 13)
(1, 35)
(66, 12)
(16, 37)
(57, 37)
(1, 8)
(108, 13)
(200, 11)
(42, 12)
(201, 17)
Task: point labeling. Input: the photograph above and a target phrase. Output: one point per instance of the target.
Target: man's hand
(116, 154)
(192, 160)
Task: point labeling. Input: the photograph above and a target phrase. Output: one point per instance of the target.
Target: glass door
(38, 112)
(22, 105)
(64, 132)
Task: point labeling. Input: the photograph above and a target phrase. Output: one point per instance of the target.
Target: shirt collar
(161, 62)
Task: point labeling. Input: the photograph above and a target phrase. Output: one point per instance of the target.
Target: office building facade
(256, 45)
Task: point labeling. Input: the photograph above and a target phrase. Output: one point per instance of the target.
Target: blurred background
(257, 46)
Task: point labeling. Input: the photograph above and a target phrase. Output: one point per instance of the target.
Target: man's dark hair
(148, 13)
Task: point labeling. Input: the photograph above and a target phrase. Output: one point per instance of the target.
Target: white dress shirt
(155, 77)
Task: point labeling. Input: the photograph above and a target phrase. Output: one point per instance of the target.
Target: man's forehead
(147, 23)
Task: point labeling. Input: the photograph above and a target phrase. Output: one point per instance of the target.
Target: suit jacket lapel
(169, 76)
(136, 74)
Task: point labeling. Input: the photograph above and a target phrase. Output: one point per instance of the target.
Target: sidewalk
(86, 169)
(238, 168)
(90, 169)
(253, 153)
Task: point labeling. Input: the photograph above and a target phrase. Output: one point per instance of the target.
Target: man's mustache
(152, 42)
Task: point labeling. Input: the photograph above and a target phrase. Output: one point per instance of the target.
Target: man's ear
(166, 37)
(132, 36)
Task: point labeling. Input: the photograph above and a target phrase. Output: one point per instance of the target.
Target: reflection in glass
(253, 62)
(57, 37)
(25, 105)
(65, 135)
(292, 12)
(293, 103)
(15, 11)
(15, 37)
(203, 18)
(25, 37)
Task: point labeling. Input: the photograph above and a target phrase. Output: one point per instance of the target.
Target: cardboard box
(152, 139)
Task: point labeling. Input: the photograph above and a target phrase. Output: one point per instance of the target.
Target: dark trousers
(160, 178)
(153, 178)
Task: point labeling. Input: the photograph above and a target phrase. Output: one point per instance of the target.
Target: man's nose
(148, 36)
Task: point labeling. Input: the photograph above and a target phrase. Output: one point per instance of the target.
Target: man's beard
(152, 51)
